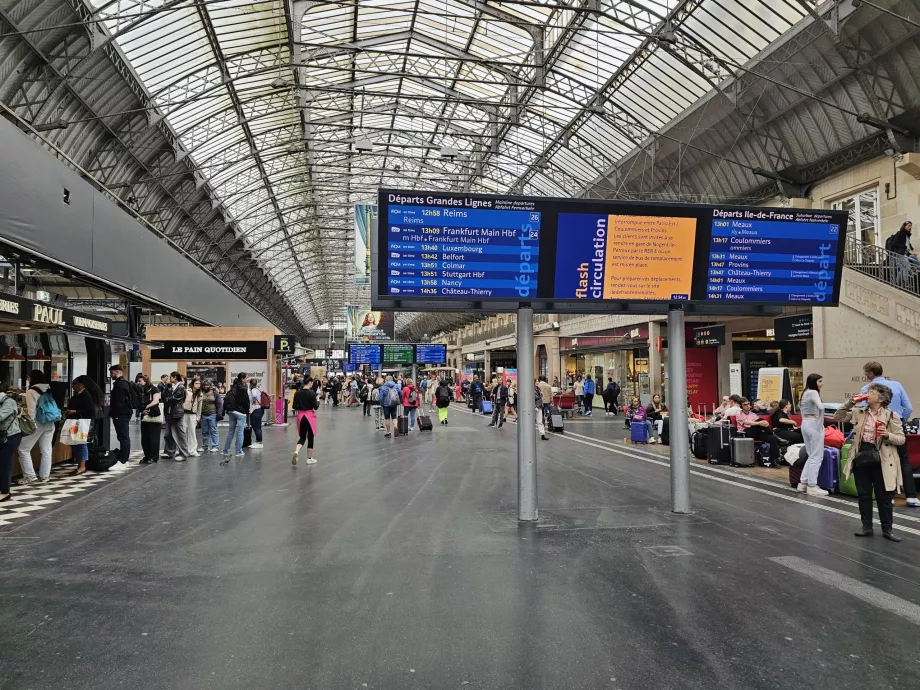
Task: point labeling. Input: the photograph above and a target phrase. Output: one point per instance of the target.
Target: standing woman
(442, 400)
(86, 403)
(43, 434)
(151, 420)
(411, 400)
(208, 404)
(196, 414)
(236, 407)
(812, 410)
(305, 405)
(9, 425)
(255, 411)
(511, 403)
(875, 465)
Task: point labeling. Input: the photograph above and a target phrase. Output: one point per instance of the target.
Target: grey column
(527, 421)
(415, 373)
(677, 397)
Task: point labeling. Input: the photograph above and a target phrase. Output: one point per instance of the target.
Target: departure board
(431, 354)
(364, 354)
(458, 251)
(444, 251)
(753, 258)
(398, 354)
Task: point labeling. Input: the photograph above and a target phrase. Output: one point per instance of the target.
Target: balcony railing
(898, 271)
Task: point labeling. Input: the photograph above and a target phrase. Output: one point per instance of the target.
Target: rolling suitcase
(744, 452)
(665, 434)
(829, 474)
(638, 432)
(402, 426)
(556, 424)
(487, 407)
(247, 436)
(424, 423)
(718, 445)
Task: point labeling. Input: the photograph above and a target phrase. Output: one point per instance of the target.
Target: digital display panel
(398, 354)
(753, 259)
(431, 354)
(364, 354)
(445, 251)
(454, 251)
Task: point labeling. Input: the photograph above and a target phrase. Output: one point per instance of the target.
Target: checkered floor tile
(33, 500)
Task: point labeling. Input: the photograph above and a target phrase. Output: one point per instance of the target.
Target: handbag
(75, 432)
(868, 454)
(833, 437)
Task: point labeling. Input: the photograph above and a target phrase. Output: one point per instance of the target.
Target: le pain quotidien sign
(22, 309)
(186, 350)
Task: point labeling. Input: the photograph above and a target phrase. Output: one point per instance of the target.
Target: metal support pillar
(527, 421)
(415, 373)
(677, 399)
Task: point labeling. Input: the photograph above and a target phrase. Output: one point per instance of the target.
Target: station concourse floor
(399, 564)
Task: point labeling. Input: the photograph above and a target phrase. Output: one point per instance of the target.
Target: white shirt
(255, 397)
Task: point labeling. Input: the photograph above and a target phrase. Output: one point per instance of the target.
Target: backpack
(889, 244)
(362, 396)
(639, 415)
(375, 395)
(392, 399)
(413, 396)
(443, 394)
(135, 395)
(47, 410)
(26, 423)
(264, 401)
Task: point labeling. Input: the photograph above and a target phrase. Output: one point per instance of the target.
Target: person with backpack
(256, 411)
(124, 399)
(611, 395)
(411, 401)
(151, 420)
(900, 247)
(476, 390)
(499, 400)
(236, 407)
(42, 408)
(86, 403)
(442, 398)
(11, 436)
(389, 403)
(375, 403)
(174, 411)
(190, 420)
(365, 397)
(211, 407)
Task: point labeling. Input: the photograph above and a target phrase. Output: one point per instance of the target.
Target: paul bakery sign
(21, 309)
(195, 350)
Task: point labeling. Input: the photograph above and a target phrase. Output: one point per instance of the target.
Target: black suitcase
(556, 424)
(718, 445)
(247, 436)
(402, 426)
(424, 423)
(665, 435)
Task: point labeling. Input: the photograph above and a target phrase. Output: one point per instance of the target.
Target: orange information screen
(648, 257)
(625, 257)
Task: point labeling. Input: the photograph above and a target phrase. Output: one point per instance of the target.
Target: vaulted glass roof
(294, 112)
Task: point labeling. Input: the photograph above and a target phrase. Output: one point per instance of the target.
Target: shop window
(863, 211)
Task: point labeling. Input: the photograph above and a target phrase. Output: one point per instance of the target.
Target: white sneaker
(311, 461)
(802, 488)
(652, 440)
(294, 457)
(913, 503)
(118, 467)
(817, 491)
(256, 445)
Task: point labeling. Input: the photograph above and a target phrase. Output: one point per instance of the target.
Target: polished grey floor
(397, 563)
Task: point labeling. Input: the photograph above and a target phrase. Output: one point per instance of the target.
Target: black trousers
(367, 407)
(867, 479)
(498, 413)
(791, 435)
(122, 433)
(7, 451)
(477, 402)
(306, 433)
(589, 402)
(150, 440)
(910, 485)
(763, 435)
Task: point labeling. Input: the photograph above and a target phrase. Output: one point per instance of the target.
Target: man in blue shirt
(589, 396)
(900, 404)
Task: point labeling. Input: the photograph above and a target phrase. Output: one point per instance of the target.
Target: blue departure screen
(757, 260)
(431, 354)
(444, 251)
(364, 354)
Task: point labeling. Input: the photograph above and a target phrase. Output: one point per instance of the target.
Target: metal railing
(901, 272)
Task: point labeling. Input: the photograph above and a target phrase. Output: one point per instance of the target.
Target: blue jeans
(209, 436)
(237, 424)
(80, 453)
(411, 412)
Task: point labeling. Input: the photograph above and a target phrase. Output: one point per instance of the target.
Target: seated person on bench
(752, 426)
(783, 426)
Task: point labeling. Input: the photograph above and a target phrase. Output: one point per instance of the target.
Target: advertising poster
(702, 384)
(751, 364)
(365, 216)
(368, 326)
(625, 257)
(510, 376)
